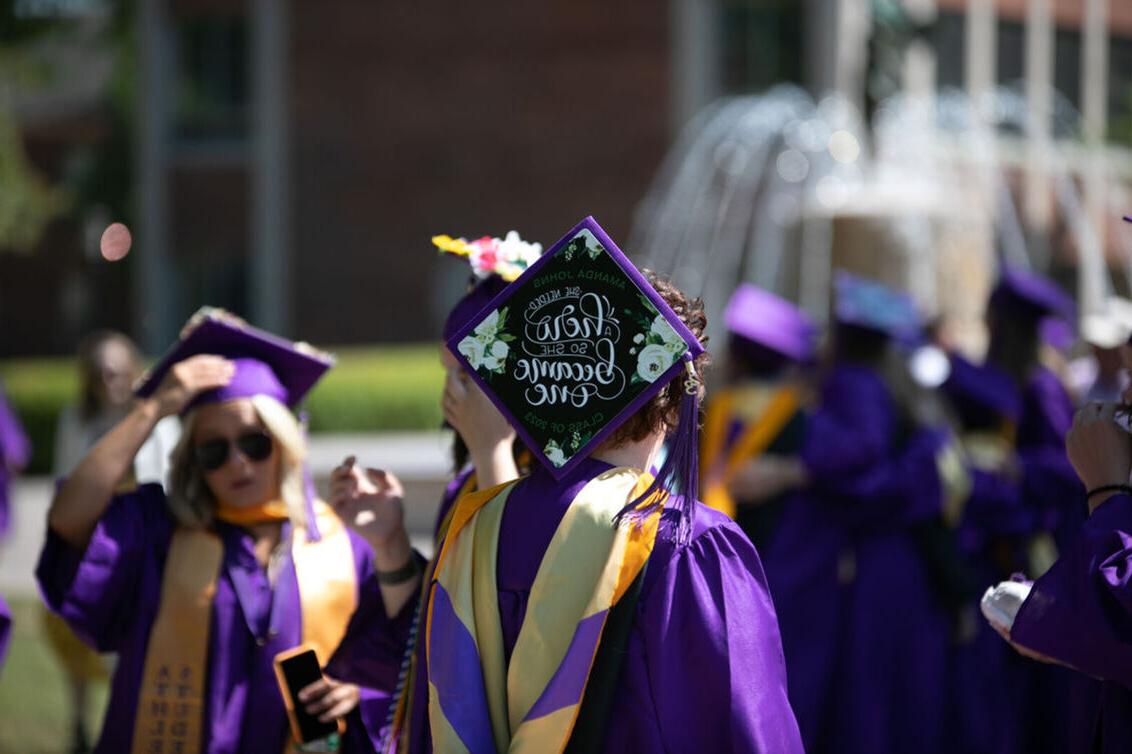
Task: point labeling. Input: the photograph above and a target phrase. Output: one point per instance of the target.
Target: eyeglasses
(212, 454)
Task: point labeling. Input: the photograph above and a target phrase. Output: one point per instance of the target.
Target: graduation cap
(1031, 296)
(873, 306)
(574, 347)
(265, 364)
(760, 318)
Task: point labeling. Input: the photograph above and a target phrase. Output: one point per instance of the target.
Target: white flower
(652, 361)
(638, 337)
(516, 251)
(497, 357)
(668, 335)
(489, 326)
(472, 349)
(554, 454)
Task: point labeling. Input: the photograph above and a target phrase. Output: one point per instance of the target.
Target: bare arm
(488, 435)
(370, 502)
(87, 492)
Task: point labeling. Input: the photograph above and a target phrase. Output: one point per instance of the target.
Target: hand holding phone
(297, 669)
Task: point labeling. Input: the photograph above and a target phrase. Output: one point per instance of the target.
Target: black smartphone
(296, 669)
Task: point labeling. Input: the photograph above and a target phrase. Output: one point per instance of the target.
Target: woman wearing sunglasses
(199, 589)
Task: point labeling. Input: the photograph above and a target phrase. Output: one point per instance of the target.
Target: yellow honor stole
(476, 700)
(772, 411)
(170, 711)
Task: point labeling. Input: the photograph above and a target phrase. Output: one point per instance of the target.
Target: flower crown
(508, 258)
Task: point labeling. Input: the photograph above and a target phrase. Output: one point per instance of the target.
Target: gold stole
(753, 442)
(170, 711)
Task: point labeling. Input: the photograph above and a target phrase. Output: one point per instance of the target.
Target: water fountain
(779, 190)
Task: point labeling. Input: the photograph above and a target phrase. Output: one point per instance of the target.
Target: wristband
(401, 575)
(1126, 489)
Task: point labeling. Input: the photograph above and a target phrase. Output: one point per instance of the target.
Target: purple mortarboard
(480, 295)
(870, 305)
(265, 364)
(1027, 294)
(981, 395)
(574, 347)
(768, 321)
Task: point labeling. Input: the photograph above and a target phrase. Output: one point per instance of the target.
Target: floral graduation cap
(507, 257)
(576, 345)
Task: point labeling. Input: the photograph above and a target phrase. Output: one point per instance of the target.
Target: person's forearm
(389, 558)
(86, 493)
(494, 465)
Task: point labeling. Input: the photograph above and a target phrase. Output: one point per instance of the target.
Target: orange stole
(171, 700)
(753, 442)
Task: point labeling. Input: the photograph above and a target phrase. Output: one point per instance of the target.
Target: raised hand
(187, 379)
(1099, 449)
(370, 501)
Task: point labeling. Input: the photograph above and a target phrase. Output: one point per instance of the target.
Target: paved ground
(420, 460)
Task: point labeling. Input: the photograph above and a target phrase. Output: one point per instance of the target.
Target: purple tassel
(680, 471)
(309, 491)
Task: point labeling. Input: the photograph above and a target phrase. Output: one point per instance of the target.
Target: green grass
(34, 707)
(379, 389)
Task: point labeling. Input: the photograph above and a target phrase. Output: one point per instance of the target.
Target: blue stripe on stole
(569, 680)
(455, 672)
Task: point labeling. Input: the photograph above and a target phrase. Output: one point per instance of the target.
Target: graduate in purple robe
(1051, 497)
(695, 664)
(754, 424)
(199, 589)
(15, 452)
(1079, 613)
(863, 624)
(986, 679)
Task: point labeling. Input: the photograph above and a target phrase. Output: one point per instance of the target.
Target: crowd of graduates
(869, 494)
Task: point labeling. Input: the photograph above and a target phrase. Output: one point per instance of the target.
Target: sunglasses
(212, 454)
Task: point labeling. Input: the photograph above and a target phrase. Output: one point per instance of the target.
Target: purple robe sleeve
(5, 629)
(92, 589)
(853, 458)
(712, 648)
(1080, 611)
(15, 448)
(852, 429)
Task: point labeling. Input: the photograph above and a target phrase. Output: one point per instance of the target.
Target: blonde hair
(192, 502)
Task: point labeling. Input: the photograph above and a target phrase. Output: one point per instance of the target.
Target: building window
(1120, 90)
(212, 79)
(949, 38)
(762, 44)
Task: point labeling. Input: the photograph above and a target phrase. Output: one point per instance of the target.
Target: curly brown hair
(662, 413)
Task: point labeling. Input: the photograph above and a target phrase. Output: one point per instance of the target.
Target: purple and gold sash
(477, 700)
(771, 410)
(170, 710)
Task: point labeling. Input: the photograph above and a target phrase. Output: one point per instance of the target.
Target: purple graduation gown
(703, 669)
(15, 452)
(110, 594)
(1080, 613)
(5, 629)
(865, 639)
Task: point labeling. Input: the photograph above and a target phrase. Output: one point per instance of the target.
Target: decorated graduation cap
(1029, 295)
(265, 364)
(494, 263)
(873, 306)
(575, 346)
(758, 317)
